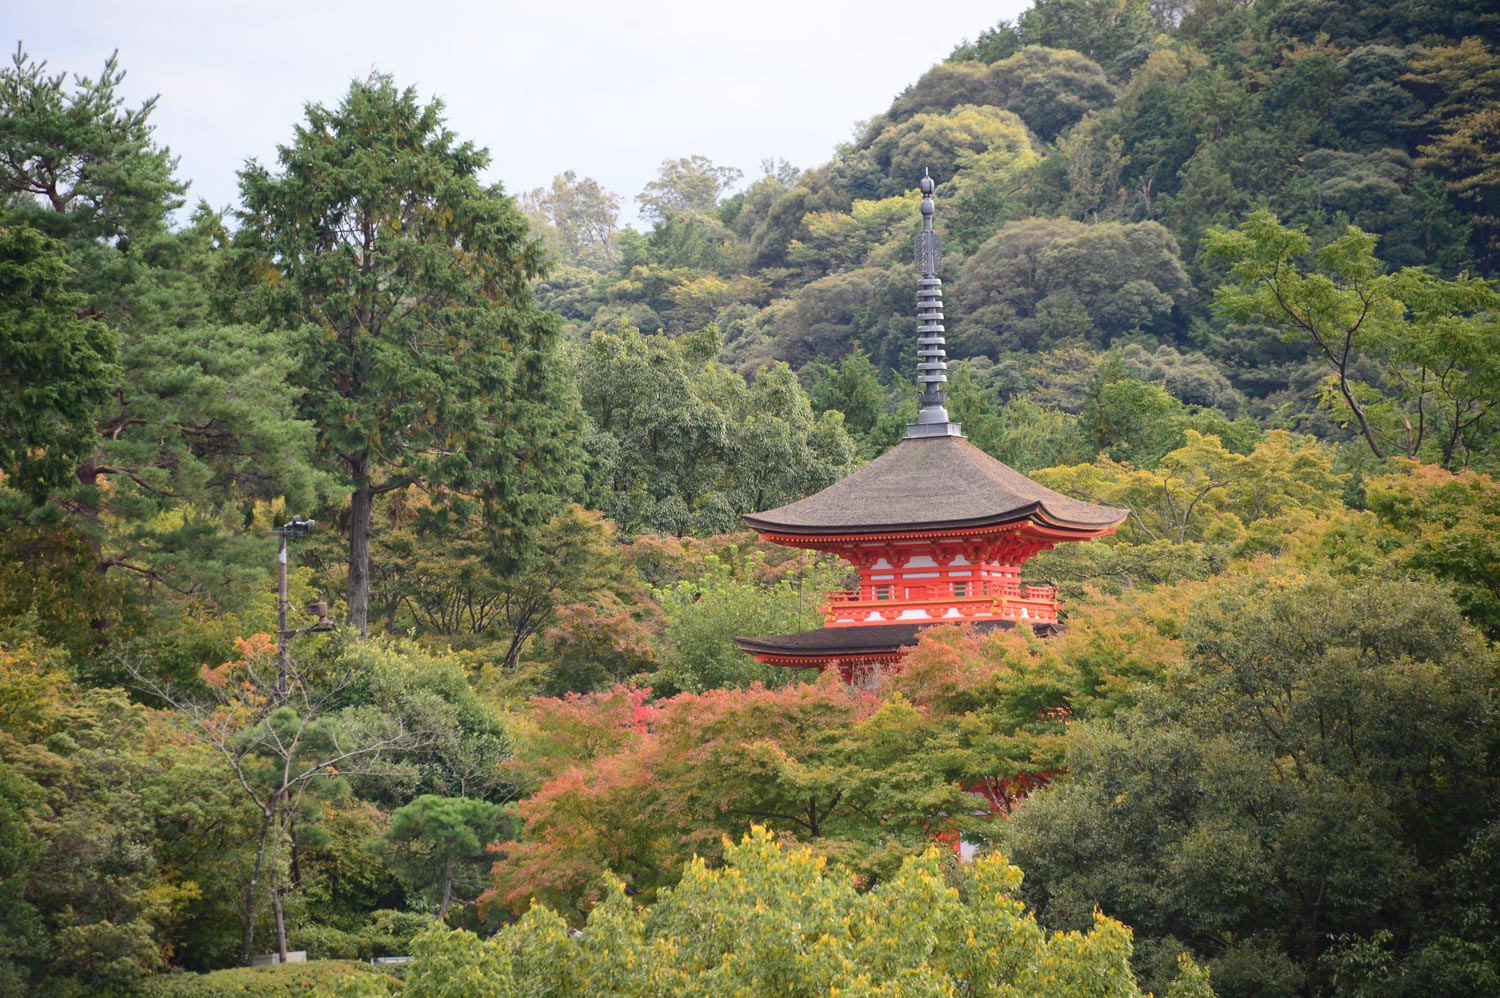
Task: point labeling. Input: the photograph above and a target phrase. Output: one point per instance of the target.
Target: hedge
(291, 980)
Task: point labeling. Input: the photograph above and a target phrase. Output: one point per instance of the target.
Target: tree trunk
(260, 856)
(280, 921)
(447, 888)
(361, 511)
(296, 864)
(1365, 429)
(88, 477)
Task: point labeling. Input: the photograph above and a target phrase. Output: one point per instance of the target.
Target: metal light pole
(295, 527)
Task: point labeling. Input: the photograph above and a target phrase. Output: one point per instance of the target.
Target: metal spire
(932, 364)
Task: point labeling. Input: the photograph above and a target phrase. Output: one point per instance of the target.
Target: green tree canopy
(195, 421)
(941, 142)
(55, 369)
(1434, 338)
(404, 281)
(1062, 278)
(583, 215)
(691, 184)
(441, 583)
(77, 163)
(1051, 89)
(780, 920)
(437, 843)
(1114, 33)
(686, 445)
(1318, 791)
(867, 308)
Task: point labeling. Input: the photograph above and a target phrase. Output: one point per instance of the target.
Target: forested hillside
(1226, 264)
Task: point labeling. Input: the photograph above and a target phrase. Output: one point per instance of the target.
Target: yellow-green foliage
(331, 978)
(1201, 505)
(777, 921)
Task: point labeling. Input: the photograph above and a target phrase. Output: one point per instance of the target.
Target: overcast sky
(608, 90)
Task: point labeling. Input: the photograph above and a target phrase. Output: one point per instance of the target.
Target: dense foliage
(780, 921)
(1225, 265)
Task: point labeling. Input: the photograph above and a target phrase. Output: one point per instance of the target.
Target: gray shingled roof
(860, 639)
(932, 483)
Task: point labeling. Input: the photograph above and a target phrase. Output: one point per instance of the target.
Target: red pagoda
(937, 528)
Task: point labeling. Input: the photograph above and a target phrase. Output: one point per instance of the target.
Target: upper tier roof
(932, 483)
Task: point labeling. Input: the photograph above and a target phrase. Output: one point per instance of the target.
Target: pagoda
(937, 528)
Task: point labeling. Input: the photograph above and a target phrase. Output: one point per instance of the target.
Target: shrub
(292, 980)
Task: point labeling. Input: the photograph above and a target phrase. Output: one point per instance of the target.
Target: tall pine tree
(423, 358)
(191, 418)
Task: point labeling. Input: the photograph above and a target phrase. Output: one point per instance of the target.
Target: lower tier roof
(827, 643)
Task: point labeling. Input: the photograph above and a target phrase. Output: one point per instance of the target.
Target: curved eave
(884, 640)
(934, 483)
(825, 661)
(855, 644)
(1039, 528)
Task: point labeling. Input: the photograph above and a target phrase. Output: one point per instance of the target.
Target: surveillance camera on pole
(295, 527)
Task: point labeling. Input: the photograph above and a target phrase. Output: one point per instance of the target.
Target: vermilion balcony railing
(881, 605)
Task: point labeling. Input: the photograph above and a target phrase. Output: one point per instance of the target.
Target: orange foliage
(638, 787)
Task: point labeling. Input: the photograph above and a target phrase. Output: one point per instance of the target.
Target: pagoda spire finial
(932, 359)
